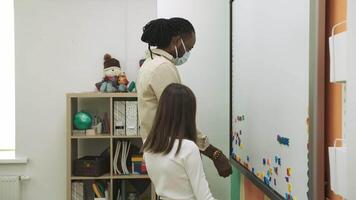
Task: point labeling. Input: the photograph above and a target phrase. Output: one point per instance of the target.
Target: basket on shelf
(91, 166)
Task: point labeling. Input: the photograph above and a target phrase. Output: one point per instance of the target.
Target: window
(7, 77)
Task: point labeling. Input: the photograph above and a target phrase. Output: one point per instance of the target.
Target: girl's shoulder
(189, 146)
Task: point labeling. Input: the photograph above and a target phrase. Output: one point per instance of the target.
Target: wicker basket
(91, 166)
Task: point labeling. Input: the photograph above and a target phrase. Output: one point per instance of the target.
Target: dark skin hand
(221, 162)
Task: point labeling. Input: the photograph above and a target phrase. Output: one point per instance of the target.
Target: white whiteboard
(271, 90)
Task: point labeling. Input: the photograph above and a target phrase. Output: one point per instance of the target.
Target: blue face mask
(184, 58)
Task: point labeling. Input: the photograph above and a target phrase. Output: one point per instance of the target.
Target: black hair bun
(158, 32)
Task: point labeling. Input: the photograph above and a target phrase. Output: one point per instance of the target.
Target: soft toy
(112, 70)
(123, 82)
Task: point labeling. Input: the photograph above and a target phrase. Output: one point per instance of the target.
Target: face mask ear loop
(183, 44)
(176, 51)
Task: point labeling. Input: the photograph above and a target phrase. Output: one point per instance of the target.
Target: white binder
(119, 117)
(131, 118)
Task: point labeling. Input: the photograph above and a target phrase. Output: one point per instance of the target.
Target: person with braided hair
(173, 40)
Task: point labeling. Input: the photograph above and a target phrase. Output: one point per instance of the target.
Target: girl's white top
(179, 177)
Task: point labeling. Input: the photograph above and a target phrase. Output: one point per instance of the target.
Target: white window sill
(9, 157)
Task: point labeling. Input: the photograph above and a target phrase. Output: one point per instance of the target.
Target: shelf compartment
(127, 137)
(140, 188)
(97, 107)
(105, 176)
(101, 94)
(90, 136)
(131, 176)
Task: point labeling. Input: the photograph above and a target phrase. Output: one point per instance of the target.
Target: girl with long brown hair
(172, 157)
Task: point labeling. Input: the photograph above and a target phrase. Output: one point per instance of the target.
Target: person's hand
(221, 162)
(223, 165)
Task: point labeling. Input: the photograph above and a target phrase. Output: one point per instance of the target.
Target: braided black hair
(159, 32)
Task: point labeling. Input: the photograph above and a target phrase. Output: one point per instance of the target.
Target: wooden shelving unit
(76, 145)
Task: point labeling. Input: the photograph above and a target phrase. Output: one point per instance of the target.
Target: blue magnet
(283, 140)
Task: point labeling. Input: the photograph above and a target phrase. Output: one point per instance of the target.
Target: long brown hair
(175, 119)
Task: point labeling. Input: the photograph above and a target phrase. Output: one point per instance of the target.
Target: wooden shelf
(105, 176)
(90, 136)
(105, 136)
(126, 137)
(101, 94)
(131, 176)
(81, 145)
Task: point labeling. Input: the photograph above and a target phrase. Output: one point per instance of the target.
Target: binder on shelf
(123, 190)
(88, 190)
(120, 157)
(105, 124)
(125, 153)
(118, 197)
(116, 158)
(131, 118)
(77, 190)
(119, 117)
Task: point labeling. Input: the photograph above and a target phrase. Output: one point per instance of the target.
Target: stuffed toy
(112, 70)
(123, 82)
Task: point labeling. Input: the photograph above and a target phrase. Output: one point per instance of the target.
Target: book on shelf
(78, 132)
(138, 165)
(127, 159)
(88, 190)
(105, 123)
(131, 118)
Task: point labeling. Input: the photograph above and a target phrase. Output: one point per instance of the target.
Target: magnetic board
(270, 92)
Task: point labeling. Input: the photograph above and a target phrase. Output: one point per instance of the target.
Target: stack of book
(99, 190)
(138, 165)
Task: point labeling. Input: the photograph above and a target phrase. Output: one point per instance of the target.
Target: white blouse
(179, 177)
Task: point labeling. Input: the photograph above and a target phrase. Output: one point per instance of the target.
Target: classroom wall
(207, 73)
(59, 48)
(351, 101)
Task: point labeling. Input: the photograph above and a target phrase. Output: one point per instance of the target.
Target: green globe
(82, 120)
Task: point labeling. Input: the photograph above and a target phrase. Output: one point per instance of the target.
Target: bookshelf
(97, 103)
